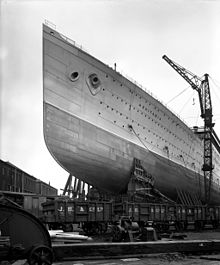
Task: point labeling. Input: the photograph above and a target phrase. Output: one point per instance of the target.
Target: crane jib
(202, 87)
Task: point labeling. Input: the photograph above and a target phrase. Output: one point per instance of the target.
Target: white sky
(134, 34)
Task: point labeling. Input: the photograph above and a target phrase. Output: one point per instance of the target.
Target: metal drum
(28, 237)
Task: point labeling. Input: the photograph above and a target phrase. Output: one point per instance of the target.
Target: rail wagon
(92, 216)
(170, 217)
(95, 216)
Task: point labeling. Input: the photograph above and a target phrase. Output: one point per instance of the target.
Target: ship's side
(96, 122)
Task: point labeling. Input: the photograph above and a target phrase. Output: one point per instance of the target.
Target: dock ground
(174, 258)
(163, 259)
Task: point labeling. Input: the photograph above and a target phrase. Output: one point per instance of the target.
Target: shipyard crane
(201, 85)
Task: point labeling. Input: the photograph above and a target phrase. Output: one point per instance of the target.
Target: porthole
(74, 76)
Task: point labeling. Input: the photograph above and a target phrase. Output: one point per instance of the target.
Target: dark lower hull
(105, 160)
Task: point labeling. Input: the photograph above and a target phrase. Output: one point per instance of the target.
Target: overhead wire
(137, 135)
(186, 102)
(181, 94)
(215, 81)
(214, 89)
(177, 95)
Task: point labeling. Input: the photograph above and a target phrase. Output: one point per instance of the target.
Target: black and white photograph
(109, 132)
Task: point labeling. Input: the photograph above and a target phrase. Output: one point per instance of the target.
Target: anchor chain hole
(74, 76)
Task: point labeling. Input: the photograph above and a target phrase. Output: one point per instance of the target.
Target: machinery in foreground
(23, 236)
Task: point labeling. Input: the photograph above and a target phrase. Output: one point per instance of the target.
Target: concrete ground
(155, 259)
(165, 259)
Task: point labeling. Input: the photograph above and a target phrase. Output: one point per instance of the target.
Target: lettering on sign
(136, 210)
(99, 209)
(70, 209)
(92, 209)
(81, 209)
(61, 209)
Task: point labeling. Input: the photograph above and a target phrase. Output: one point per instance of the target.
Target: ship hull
(96, 122)
(86, 151)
